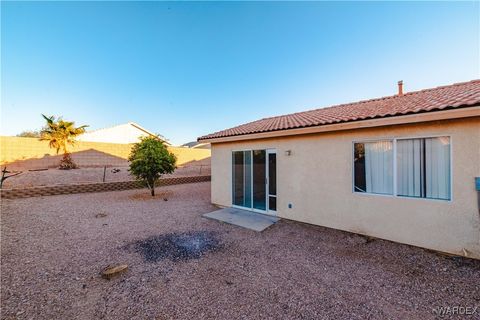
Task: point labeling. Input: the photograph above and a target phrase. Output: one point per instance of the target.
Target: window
(374, 167)
(422, 167)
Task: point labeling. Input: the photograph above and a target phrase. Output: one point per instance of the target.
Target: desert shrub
(149, 159)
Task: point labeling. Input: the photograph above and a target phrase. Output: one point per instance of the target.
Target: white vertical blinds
(423, 168)
(378, 167)
(410, 167)
(437, 167)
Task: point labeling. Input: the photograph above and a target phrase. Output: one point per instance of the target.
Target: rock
(111, 272)
(356, 239)
(101, 215)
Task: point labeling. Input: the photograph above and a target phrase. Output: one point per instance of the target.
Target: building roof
(136, 125)
(190, 144)
(102, 132)
(459, 95)
(196, 145)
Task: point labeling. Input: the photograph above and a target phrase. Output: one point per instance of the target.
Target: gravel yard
(54, 176)
(54, 248)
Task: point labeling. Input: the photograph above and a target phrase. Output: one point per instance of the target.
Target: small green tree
(60, 134)
(149, 159)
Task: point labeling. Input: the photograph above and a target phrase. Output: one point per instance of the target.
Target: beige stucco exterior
(316, 179)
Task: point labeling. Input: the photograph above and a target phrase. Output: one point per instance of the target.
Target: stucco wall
(30, 153)
(317, 180)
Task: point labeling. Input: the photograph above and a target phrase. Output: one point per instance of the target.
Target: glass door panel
(248, 179)
(272, 180)
(238, 178)
(241, 178)
(259, 180)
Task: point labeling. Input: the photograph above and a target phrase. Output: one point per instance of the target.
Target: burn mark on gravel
(177, 246)
(462, 262)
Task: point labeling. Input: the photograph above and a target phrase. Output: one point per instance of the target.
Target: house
(401, 168)
(124, 133)
(196, 145)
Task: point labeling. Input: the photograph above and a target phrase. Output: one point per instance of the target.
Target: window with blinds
(421, 169)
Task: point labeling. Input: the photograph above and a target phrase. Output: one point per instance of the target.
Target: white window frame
(394, 141)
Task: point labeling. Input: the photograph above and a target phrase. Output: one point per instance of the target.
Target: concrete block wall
(20, 153)
(92, 187)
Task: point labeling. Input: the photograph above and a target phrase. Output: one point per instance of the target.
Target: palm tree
(60, 134)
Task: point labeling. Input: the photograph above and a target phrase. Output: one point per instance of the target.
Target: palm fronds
(60, 133)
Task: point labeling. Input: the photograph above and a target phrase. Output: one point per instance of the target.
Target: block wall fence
(91, 187)
(20, 153)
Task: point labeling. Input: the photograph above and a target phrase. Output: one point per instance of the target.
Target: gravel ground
(54, 248)
(56, 176)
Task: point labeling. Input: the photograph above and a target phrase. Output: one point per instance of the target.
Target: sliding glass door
(242, 177)
(254, 179)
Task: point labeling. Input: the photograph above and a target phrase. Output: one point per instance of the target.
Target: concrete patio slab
(243, 218)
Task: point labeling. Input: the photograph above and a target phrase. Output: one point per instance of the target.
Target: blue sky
(185, 69)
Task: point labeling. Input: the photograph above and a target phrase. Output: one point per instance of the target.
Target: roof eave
(136, 125)
(457, 113)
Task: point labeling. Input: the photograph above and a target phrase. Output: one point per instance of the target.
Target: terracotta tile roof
(458, 95)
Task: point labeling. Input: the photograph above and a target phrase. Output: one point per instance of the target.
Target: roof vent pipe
(400, 88)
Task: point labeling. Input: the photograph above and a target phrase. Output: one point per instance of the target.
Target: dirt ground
(82, 175)
(54, 248)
